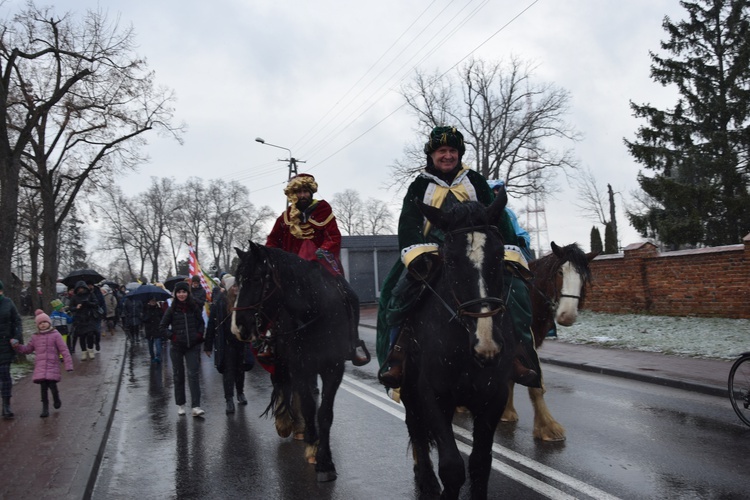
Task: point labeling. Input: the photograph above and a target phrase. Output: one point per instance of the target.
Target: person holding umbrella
(84, 308)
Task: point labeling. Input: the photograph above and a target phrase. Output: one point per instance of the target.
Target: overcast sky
(322, 77)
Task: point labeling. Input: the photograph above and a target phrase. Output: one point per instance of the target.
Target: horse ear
(433, 214)
(240, 253)
(498, 206)
(556, 250)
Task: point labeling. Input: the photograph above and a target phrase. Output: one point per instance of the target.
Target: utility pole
(292, 160)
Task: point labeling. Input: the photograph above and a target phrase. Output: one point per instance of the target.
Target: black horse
(311, 313)
(461, 351)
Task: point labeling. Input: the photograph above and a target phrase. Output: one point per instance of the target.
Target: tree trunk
(9, 169)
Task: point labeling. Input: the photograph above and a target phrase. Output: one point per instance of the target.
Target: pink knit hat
(41, 317)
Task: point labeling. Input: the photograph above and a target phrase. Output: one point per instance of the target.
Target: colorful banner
(194, 268)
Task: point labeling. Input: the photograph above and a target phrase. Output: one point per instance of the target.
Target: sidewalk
(706, 376)
(58, 457)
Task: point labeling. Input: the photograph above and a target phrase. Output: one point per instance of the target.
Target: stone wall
(708, 282)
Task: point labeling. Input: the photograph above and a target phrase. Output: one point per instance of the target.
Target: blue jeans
(154, 347)
(183, 357)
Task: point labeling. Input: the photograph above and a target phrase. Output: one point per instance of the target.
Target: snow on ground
(716, 338)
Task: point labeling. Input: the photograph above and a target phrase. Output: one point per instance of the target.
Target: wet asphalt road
(625, 440)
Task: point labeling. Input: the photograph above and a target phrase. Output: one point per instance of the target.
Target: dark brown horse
(557, 291)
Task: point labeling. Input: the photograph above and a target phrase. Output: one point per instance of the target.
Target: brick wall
(709, 282)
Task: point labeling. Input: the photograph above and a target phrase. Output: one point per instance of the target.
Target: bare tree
(511, 123)
(75, 101)
(193, 214)
(377, 218)
(594, 204)
(347, 207)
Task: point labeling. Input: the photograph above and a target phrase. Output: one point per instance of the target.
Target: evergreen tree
(596, 240)
(610, 239)
(698, 150)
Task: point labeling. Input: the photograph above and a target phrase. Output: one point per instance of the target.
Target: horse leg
(424, 475)
(451, 468)
(509, 413)
(480, 460)
(282, 413)
(546, 427)
(298, 420)
(324, 460)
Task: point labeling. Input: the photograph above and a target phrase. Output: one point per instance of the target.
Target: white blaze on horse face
(567, 309)
(235, 327)
(486, 347)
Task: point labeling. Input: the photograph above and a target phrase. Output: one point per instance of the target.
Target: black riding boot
(7, 412)
(391, 373)
(230, 406)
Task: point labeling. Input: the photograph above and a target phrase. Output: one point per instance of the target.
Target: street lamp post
(292, 161)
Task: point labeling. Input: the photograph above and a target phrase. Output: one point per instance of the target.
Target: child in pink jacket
(48, 344)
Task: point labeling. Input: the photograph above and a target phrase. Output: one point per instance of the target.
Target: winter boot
(84, 354)
(7, 412)
(92, 354)
(56, 403)
(241, 399)
(230, 406)
(45, 409)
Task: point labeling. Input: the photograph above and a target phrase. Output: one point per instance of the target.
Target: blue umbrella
(148, 292)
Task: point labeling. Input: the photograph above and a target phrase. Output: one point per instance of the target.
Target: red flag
(194, 268)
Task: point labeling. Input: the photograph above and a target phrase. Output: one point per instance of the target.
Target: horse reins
(461, 309)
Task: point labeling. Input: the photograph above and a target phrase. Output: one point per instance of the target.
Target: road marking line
(381, 400)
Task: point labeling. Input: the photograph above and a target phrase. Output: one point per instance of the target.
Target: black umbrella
(88, 275)
(171, 282)
(112, 285)
(148, 292)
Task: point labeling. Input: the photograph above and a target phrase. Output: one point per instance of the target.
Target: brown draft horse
(557, 291)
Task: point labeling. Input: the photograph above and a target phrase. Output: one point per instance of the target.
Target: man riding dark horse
(308, 228)
(443, 183)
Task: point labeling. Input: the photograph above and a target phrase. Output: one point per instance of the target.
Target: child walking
(48, 344)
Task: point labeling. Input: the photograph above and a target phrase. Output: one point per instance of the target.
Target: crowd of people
(307, 228)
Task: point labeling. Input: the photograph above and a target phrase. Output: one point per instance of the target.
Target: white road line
(381, 400)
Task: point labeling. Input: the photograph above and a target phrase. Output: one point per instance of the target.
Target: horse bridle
(258, 307)
(461, 309)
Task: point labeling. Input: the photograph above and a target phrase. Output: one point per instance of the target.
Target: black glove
(424, 266)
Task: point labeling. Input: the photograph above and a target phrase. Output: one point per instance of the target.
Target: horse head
(254, 308)
(574, 273)
(472, 277)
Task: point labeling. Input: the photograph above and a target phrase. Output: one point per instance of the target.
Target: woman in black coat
(229, 353)
(85, 310)
(183, 325)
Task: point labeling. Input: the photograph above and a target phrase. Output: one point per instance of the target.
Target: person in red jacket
(308, 228)
(48, 345)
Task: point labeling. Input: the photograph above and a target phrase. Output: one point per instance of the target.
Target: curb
(651, 379)
(110, 418)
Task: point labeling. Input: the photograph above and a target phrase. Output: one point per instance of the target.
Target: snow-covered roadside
(713, 338)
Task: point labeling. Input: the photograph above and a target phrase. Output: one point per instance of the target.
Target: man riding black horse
(443, 183)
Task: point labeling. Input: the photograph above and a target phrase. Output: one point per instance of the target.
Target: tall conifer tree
(698, 150)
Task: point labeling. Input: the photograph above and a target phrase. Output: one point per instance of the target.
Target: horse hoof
(311, 460)
(283, 432)
(299, 436)
(324, 477)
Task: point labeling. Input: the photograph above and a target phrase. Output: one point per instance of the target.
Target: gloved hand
(424, 266)
(319, 254)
